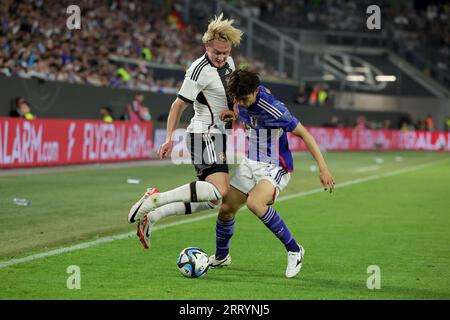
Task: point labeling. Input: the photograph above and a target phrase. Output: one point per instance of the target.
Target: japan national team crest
(254, 122)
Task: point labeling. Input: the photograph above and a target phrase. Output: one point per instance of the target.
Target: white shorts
(250, 172)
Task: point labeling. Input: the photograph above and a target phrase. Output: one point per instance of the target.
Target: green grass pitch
(399, 222)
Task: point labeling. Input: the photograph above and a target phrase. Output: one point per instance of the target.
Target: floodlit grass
(399, 223)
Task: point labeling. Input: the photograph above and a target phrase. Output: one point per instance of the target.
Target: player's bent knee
(227, 209)
(227, 216)
(256, 206)
(204, 191)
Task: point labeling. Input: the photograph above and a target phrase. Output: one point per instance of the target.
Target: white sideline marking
(82, 167)
(89, 244)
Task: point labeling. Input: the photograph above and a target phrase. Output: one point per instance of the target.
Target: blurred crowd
(426, 124)
(312, 14)
(135, 111)
(424, 26)
(362, 123)
(425, 30)
(317, 94)
(35, 42)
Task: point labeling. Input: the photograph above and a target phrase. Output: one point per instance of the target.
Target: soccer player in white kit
(204, 87)
(266, 169)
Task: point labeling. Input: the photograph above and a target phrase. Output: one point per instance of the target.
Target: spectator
(429, 126)
(304, 91)
(22, 109)
(15, 108)
(419, 125)
(404, 126)
(106, 114)
(447, 123)
(322, 96)
(361, 123)
(136, 111)
(314, 96)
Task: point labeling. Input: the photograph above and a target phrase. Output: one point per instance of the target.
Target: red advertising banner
(44, 142)
(334, 139)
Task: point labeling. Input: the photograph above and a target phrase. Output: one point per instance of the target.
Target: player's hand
(327, 180)
(228, 115)
(165, 150)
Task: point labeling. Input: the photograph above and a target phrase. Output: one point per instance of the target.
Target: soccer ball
(193, 262)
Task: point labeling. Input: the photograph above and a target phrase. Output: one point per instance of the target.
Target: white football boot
(135, 214)
(214, 263)
(295, 260)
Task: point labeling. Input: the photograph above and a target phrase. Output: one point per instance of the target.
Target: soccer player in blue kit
(266, 169)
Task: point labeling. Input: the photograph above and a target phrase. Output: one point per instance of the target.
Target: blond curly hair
(222, 29)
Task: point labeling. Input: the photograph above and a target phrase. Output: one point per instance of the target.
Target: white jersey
(204, 86)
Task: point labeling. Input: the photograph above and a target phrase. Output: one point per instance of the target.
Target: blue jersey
(267, 122)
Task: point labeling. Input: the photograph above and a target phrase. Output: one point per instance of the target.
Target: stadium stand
(34, 43)
(419, 28)
(146, 45)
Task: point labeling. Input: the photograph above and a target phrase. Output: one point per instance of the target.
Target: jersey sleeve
(192, 86)
(280, 116)
(288, 122)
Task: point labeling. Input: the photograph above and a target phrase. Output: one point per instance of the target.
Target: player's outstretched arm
(176, 110)
(325, 176)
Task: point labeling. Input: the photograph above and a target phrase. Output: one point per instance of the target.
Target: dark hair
(107, 109)
(242, 82)
(17, 101)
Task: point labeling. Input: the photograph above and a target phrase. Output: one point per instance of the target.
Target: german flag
(175, 18)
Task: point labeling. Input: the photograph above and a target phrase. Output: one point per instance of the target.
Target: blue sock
(224, 232)
(273, 221)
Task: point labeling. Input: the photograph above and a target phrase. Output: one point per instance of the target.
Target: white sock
(179, 208)
(198, 191)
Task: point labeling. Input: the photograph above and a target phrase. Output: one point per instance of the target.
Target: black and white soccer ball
(193, 262)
